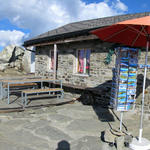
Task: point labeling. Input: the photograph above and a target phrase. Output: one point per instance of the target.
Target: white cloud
(94, 10)
(121, 6)
(11, 37)
(42, 15)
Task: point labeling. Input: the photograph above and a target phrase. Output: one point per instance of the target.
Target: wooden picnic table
(37, 80)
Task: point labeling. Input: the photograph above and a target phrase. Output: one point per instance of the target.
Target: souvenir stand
(123, 93)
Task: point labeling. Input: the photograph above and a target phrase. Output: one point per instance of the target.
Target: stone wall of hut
(100, 75)
(99, 71)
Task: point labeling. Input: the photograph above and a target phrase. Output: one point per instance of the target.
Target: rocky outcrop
(14, 57)
(3, 66)
(11, 53)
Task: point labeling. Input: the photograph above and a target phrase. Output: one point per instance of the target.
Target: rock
(18, 65)
(127, 140)
(12, 64)
(3, 67)
(108, 136)
(6, 53)
(15, 57)
(12, 72)
(11, 53)
(12, 56)
(120, 142)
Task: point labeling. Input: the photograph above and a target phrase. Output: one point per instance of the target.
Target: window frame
(85, 62)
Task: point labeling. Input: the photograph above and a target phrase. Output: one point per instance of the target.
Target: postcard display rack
(123, 94)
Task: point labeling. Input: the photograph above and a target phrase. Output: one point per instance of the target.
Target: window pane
(80, 61)
(88, 52)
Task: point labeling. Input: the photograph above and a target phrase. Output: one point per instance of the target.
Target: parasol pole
(143, 95)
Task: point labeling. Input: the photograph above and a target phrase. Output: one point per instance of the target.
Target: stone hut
(78, 58)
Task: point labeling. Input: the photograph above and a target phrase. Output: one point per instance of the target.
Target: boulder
(120, 142)
(108, 136)
(11, 53)
(15, 57)
(12, 65)
(18, 65)
(3, 66)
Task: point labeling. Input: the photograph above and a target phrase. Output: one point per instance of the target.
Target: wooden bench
(25, 93)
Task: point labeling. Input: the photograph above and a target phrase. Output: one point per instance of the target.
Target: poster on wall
(123, 92)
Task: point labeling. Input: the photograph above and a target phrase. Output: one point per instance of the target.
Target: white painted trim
(82, 75)
(55, 59)
(49, 61)
(76, 66)
(32, 59)
(84, 62)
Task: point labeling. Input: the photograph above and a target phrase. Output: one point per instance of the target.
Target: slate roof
(80, 28)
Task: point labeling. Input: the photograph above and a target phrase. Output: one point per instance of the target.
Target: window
(83, 61)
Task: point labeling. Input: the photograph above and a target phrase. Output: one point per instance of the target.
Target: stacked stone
(100, 74)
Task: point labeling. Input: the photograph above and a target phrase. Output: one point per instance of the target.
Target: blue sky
(21, 20)
(134, 6)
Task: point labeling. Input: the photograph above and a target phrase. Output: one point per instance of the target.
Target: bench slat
(20, 84)
(41, 90)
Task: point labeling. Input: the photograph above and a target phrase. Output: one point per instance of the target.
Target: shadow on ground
(99, 98)
(63, 145)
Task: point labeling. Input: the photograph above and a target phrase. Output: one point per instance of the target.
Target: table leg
(8, 94)
(57, 95)
(22, 98)
(61, 84)
(41, 85)
(1, 96)
(62, 94)
(25, 99)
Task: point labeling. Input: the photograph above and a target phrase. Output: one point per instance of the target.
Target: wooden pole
(55, 60)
